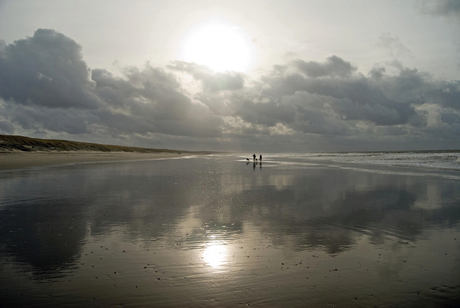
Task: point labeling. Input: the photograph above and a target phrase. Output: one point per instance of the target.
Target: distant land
(12, 143)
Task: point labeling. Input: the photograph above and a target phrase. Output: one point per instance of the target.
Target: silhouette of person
(260, 157)
(254, 156)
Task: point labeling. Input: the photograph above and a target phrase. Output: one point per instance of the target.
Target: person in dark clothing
(254, 156)
(260, 157)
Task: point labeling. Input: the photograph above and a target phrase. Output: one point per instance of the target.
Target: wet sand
(19, 160)
(213, 231)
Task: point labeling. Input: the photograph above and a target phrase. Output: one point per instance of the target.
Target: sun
(219, 47)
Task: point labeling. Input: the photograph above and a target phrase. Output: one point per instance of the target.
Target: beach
(217, 231)
(19, 160)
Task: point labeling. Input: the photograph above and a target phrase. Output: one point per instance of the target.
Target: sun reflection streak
(215, 254)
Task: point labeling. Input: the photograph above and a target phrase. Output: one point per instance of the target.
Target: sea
(434, 160)
(374, 229)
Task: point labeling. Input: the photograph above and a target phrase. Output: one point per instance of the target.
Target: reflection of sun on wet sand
(215, 254)
(22, 152)
(208, 231)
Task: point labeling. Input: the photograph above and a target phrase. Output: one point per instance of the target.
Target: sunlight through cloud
(219, 47)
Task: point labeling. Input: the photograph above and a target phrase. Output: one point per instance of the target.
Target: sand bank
(19, 160)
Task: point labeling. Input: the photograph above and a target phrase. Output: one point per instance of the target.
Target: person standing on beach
(260, 157)
(254, 156)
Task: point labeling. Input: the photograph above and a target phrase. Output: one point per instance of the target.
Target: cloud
(376, 113)
(352, 98)
(150, 101)
(46, 89)
(46, 86)
(267, 114)
(6, 127)
(212, 81)
(57, 120)
(46, 70)
(334, 66)
(446, 95)
(216, 89)
(448, 9)
(314, 114)
(392, 43)
(377, 72)
(440, 7)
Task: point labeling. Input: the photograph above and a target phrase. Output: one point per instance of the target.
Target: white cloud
(392, 43)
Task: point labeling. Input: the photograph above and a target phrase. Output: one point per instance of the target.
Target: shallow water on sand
(215, 231)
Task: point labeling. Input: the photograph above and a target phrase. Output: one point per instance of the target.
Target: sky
(255, 76)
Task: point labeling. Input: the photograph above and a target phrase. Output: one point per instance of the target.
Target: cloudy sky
(264, 76)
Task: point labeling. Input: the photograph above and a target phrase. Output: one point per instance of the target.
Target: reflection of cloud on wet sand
(320, 209)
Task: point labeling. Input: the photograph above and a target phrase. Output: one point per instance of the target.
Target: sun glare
(215, 255)
(219, 47)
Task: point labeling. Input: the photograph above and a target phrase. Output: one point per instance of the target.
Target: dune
(18, 152)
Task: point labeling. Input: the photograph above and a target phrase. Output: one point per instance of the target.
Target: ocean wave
(448, 160)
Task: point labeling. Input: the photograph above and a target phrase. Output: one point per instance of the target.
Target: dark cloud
(353, 98)
(315, 116)
(46, 70)
(39, 119)
(440, 7)
(377, 72)
(6, 127)
(141, 94)
(447, 94)
(334, 66)
(268, 114)
(46, 85)
(409, 85)
(391, 131)
(301, 112)
(46, 89)
(376, 113)
(149, 101)
(450, 118)
(56, 120)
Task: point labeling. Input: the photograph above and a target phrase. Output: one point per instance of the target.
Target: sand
(19, 160)
(214, 231)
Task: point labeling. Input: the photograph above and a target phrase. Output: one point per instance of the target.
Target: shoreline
(21, 160)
